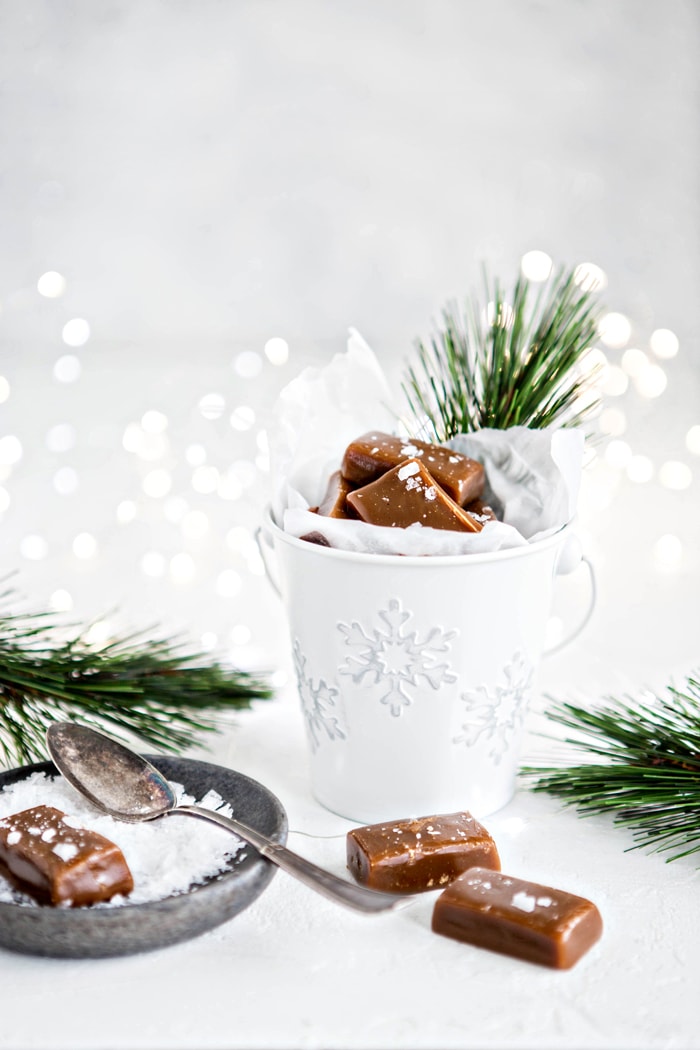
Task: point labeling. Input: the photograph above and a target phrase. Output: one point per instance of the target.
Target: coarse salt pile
(165, 856)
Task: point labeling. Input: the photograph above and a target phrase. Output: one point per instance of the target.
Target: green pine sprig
(506, 361)
(153, 689)
(643, 766)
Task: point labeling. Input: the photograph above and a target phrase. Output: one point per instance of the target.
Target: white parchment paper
(533, 476)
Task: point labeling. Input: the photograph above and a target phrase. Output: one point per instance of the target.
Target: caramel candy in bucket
(333, 504)
(375, 453)
(408, 495)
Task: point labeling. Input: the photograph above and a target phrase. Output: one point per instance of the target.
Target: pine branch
(648, 770)
(504, 362)
(152, 689)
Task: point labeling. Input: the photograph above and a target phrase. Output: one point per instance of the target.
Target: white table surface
(294, 970)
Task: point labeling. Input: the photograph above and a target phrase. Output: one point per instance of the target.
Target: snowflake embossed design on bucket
(414, 673)
(496, 712)
(394, 658)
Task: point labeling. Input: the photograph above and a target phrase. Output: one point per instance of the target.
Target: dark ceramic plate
(82, 933)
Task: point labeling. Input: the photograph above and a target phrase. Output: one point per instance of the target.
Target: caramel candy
(481, 511)
(515, 917)
(54, 859)
(406, 495)
(410, 856)
(375, 453)
(333, 504)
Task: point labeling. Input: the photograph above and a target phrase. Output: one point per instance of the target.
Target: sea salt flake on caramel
(419, 854)
(509, 915)
(409, 495)
(375, 453)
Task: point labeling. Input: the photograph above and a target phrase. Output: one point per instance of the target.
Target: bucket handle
(568, 561)
(265, 547)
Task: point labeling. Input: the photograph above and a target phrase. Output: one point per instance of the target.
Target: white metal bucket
(415, 673)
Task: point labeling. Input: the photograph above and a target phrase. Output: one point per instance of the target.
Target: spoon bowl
(125, 785)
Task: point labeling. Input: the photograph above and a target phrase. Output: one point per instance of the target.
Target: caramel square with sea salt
(407, 495)
(525, 919)
(375, 453)
(418, 854)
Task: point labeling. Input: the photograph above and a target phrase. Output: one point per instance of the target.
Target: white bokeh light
(10, 449)
(61, 600)
(205, 479)
(67, 369)
(634, 361)
(664, 343)
(613, 421)
(248, 364)
(228, 583)
(675, 475)
(212, 406)
(126, 511)
(157, 483)
(51, 284)
(242, 417)
(613, 381)
(640, 469)
(536, 265)
(85, 546)
(182, 568)
(33, 547)
(590, 277)
(240, 634)
(153, 564)
(154, 422)
(692, 439)
(76, 332)
(66, 481)
(614, 330)
(175, 508)
(277, 350)
(668, 552)
(651, 381)
(618, 454)
(61, 437)
(195, 525)
(195, 455)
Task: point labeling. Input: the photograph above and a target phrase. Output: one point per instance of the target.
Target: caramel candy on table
(373, 454)
(519, 918)
(425, 853)
(51, 857)
(406, 495)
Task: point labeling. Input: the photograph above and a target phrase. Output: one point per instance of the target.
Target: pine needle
(152, 689)
(507, 361)
(643, 768)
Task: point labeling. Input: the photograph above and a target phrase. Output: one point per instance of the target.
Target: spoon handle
(325, 882)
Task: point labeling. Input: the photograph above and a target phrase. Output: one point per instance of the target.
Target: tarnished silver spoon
(127, 787)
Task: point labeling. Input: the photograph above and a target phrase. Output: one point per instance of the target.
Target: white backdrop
(183, 182)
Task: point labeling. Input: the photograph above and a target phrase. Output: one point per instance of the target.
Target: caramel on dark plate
(57, 861)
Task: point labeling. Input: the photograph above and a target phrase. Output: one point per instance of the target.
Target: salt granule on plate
(166, 856)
